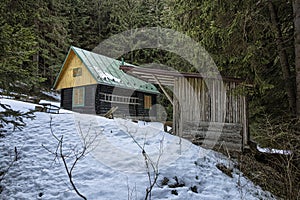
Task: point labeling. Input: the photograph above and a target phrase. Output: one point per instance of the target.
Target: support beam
(163, 89)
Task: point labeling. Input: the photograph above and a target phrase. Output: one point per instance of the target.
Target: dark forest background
(256, 40)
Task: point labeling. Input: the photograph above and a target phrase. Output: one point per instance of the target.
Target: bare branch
(151, 166)
(76, 152)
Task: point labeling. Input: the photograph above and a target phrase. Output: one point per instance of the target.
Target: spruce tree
(50, 21)
(16, 41)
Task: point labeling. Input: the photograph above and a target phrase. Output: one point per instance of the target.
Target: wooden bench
(48, 107)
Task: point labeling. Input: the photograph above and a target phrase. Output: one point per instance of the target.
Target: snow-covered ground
(115, 167)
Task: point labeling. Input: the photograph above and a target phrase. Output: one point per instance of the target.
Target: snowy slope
(115, 166)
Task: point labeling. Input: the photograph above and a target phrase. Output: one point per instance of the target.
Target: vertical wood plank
(198, 96)
(223, 101)
(229, 103)
(175, 107)
(202, 100)
(216, 89)
(219, 101)
(213, 101)
(208, 101)
(233, 105)
(192, 105)
(190, 111)
(245, 122)
(236, 105)
(183, 98)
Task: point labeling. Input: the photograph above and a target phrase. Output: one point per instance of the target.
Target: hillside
(114, 167)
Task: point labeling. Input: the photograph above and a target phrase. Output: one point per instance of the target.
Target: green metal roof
(106, 71)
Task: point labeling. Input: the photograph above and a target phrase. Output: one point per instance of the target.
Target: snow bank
(115, 167)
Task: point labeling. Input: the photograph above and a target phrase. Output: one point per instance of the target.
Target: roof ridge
(105, 70)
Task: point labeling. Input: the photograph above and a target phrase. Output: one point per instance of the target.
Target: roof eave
(61, 68)
(167, 77)
(73, 48)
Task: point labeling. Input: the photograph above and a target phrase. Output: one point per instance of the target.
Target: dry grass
(276, 173)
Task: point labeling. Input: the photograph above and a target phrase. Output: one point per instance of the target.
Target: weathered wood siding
(89, 101)
(104, 100)
(141, 111)
(198, 101)
(129, 102)
(214, 135)
(209, 100)
(66, 98)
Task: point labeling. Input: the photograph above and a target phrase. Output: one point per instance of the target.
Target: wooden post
(177, 127)
(245, 123)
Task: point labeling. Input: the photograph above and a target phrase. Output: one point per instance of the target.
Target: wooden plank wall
(210, 100)
(89, 101)
(66, 98)
(125, 109)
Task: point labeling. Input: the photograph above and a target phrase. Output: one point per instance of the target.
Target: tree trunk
(289, 82)
(296, 7)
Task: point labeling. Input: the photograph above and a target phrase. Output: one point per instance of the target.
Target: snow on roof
(106, 71)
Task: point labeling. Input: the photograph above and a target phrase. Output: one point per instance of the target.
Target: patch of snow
(107, 76)
(157, 125)
(18, 105)
(272, 151)
(115, 167)
(52, 94)
(51, 102)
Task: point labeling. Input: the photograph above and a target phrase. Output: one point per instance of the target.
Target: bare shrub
(72, 155)
(152, 167)
(280, 168)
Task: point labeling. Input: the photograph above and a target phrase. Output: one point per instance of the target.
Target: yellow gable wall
(66, 79)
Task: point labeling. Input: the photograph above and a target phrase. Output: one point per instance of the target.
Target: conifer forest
(255, 40)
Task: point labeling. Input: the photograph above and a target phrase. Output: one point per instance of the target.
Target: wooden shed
(206, 110)
(92, 83)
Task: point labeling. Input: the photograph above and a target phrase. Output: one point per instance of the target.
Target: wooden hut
(206, 110)
(93, 83)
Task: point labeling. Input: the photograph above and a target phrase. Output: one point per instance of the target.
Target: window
(77, 72)
(147, 102)
(78, 96)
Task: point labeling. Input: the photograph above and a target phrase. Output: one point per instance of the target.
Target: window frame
(82, 94)
(147, 101)
(77, 72)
